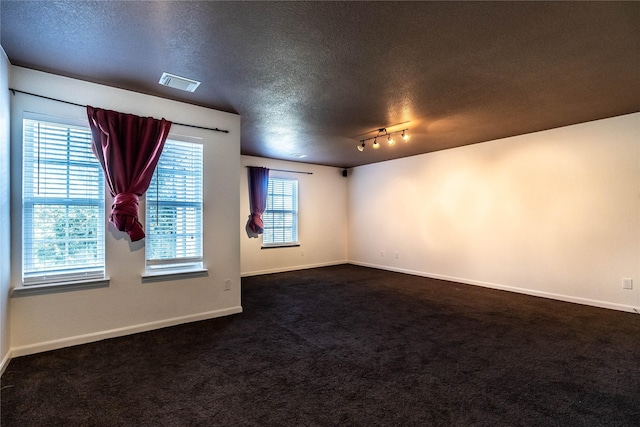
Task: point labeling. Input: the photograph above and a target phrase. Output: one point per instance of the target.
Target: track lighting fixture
(383, 132)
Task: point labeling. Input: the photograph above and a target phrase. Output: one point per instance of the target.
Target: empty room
(319, 213)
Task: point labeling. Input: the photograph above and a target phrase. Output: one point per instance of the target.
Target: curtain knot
(258, 189)
(124, 215)
(256, 223)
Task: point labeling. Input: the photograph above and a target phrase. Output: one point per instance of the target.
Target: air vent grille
(177, 82)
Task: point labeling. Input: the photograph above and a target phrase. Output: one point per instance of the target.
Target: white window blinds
(174, 209)
(62, 204)
(281, 216)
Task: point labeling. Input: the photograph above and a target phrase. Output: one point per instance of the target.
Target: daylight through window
(62, 204)
(174, 209)
(281, 216)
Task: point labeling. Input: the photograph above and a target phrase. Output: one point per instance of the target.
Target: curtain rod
(282, 170)
(84, 106)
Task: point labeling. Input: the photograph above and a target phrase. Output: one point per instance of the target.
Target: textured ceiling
(314, 78)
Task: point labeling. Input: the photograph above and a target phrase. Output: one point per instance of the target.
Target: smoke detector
(177, 82)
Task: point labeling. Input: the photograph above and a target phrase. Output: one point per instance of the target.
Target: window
(281, 216)
(62, 204)
(174, 210)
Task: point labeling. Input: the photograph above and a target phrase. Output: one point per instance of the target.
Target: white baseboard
(5, 362)
(559, 297)
(292, 268)
(97, 336)
(118, 332)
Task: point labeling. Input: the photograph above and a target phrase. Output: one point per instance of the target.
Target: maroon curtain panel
(128, 147)
(258, 187)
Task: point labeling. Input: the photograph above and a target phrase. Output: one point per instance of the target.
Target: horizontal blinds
(63, 204)
(281, 216)
(174, 206)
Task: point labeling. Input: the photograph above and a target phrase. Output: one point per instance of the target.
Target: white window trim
(58, 283)
(280, 245)
(50, 288)
(160, 276)
(273, 245)
(153, 270)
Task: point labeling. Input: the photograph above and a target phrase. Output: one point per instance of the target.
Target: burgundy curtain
(128, 147)
(258, 187)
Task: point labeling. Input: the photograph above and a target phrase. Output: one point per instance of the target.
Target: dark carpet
(350, 346)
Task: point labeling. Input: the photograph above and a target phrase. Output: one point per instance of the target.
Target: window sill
(51, 288)
(283, 245)
(159, 276)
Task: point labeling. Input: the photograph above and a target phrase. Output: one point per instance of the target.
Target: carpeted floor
(348, 346)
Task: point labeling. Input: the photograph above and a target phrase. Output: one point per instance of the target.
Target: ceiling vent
(178, 82)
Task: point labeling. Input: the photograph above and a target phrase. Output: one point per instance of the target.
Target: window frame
(68, 276)
(294, 211)
(189, 265)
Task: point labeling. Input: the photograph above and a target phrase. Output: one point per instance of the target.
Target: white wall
(322, 228)
(554, 213)
(5, 231)
(49, 321)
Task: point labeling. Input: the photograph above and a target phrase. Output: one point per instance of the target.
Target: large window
(281, 216)
(174, 210)
(62, 204)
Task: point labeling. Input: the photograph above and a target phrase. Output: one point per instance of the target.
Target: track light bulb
(382, 132)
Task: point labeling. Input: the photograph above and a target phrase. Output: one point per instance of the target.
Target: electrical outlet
(397, 255)
(627, 283)
(381, 254)
(301, 253)
(227, 284)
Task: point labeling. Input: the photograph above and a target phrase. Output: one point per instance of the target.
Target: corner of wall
(322, 200)
(5, 196)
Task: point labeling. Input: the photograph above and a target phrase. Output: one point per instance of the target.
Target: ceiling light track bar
(381, 133)
(13, 91)
(283, 170)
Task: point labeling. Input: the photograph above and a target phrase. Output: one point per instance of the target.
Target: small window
(174, 210)
(62, 204)
(281, 216)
